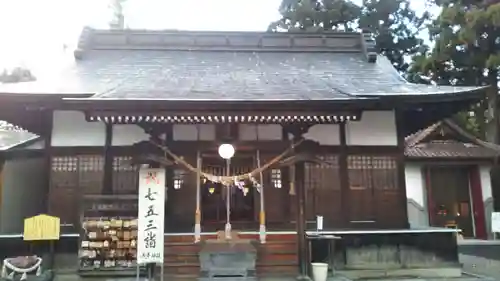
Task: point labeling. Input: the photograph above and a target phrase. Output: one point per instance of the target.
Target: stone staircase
(278, 257)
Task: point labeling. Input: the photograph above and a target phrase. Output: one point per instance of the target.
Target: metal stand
(162, 271)
(150, 270)
(137, 273)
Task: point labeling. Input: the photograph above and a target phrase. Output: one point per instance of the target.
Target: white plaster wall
(416, 196)
(21, 194)
(267, 132)
(415, 184)
(484, 174)
(324, 134)
(71, 129)
(128, 134)
(374, 128)
(202, 132)
(487, 195)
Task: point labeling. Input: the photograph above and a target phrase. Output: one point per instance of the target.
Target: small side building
(22, 169)
(448, 182)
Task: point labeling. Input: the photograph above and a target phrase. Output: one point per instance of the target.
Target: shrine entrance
(449, 194)
(214, 195)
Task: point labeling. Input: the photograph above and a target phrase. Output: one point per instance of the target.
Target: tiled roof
(449, 149)
(173, 65)
(11, 136)
(421, 145)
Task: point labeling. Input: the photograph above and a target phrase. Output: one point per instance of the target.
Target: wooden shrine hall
(316, 123)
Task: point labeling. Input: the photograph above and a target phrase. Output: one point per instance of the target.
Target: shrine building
(317, 123)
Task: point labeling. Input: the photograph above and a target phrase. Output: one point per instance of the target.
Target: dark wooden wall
(371, 199)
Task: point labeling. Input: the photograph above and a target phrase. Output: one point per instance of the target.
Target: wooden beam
(180, 147)
(93, 105)
(233, 117)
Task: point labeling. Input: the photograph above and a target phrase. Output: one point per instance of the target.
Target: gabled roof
(445, 139)
(249, 66)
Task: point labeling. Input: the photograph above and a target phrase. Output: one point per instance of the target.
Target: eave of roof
(221, 105)
(10, 139)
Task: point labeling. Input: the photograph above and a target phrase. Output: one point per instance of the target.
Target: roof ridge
(136, 39)
(83, 42)
(458, 129)
(420, 135)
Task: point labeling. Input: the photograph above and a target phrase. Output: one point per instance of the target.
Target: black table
(330, 239)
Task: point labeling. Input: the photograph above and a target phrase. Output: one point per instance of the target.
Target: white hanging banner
(151, 216)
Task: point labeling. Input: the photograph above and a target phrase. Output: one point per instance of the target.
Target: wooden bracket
(297, 130)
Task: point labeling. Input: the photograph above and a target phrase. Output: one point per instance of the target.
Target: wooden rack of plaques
(108, 239)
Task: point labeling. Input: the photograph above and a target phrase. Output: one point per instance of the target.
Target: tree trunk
(492, 100)
(479, 114)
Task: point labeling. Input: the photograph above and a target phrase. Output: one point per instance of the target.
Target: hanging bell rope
(227, 180)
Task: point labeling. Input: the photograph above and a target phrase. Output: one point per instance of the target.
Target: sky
(33, 32)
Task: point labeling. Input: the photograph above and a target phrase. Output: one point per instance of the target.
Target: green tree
(466, 52)
(396, 27)
(317, 16)
(393, 23)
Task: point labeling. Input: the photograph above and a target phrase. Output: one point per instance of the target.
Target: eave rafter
(234, 117)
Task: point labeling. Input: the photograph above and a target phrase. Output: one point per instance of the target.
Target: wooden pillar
(168, 131)
(48, 117)
(344, 176)
(262, 212)
(299, 171)
(400, 166)
(301, 219)
(107, 185)
(197, 216)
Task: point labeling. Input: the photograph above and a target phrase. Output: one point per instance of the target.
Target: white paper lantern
(226, 151)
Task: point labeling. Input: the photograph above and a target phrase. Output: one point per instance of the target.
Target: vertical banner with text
(151, 216)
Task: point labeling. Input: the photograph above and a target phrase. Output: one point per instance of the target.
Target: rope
(227, 180)
(24, 271)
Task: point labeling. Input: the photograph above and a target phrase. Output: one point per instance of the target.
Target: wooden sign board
(42, 227)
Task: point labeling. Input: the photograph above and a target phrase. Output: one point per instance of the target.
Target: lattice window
(125, 175)
(72, 176)
(372, 172)
(375, 196)
(323, 176)
(178, 178)
(64, 164)
(91, 173)
(360, 172)
(276, 178)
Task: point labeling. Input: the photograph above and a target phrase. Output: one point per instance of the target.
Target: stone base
(228, 278)
(450, 272)
(303, 278)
